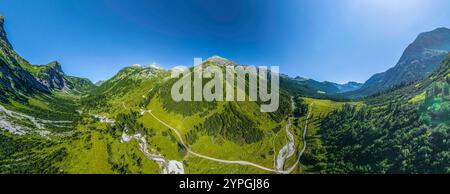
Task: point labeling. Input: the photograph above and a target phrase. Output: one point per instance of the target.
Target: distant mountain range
(417, 62)
(327, 87)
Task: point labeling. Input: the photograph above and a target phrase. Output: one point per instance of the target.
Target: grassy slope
(207, 145)
(88, 153)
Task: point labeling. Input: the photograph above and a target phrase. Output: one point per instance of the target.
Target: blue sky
(340, 41)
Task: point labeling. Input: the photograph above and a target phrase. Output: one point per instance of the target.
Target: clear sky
(334, 40)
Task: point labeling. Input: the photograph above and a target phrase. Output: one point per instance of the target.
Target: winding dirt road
(207, 157)
(246, 163)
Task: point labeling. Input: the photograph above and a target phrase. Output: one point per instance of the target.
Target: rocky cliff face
(15, 81)
(418, 61)
(19, 79)
(53, 77)
(3, 38)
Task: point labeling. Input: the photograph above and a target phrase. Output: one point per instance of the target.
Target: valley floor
(92, 148)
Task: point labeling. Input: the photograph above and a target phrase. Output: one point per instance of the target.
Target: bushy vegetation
(29, 155)
(435, 110)
(94, 101)
(120, 167)
(127, 121)
(232, 125)
(301, 108)
(184, 108)
(54, 108)
(284, 109)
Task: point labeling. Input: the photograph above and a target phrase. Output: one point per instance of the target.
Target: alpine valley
(396, 122)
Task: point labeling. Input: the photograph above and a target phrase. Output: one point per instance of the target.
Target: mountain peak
(418, 61)
(99, 82)
(438, 40)
(220, 61)
(441, 29)
(217, 57)
(56, 66)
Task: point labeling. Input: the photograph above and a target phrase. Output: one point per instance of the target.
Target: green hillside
(225, 130)
(38, 112)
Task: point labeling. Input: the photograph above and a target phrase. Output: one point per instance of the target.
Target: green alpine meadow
(397, 122)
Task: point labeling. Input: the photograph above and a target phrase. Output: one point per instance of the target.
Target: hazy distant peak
(99, 82)
(151, 66)
(156, 66)
(439, 30)
(220, 61)
(217, 58)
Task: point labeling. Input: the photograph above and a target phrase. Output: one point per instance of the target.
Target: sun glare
(388, 6)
